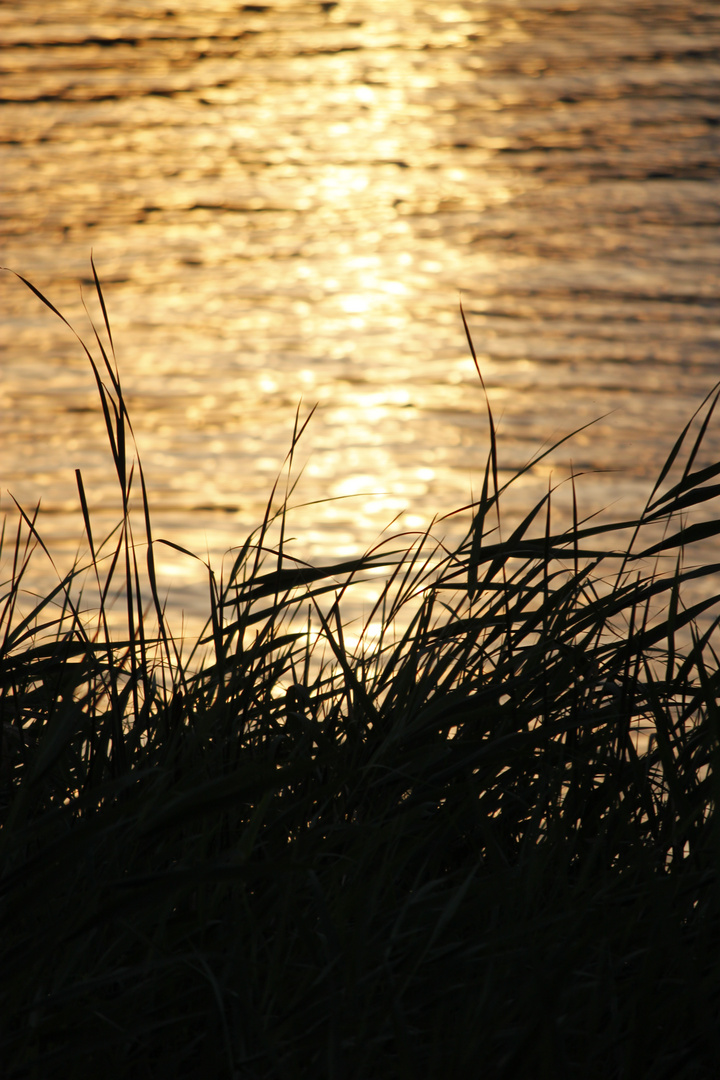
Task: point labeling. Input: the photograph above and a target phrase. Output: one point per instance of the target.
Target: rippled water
(286, 200)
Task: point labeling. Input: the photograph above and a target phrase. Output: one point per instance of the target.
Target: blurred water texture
(285, 202)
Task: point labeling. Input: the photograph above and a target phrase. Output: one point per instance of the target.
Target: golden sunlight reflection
(287, 201)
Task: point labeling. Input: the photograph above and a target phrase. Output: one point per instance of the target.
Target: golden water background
(285, 202)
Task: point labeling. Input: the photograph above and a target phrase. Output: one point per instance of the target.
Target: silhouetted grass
(481, 843)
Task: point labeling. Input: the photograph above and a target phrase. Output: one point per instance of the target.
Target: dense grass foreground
(484, 845)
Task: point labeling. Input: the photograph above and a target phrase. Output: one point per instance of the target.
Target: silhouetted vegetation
(481, 842)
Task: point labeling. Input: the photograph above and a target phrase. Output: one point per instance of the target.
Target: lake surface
(285, 202)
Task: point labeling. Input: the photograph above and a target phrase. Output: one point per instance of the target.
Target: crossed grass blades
(481, 842)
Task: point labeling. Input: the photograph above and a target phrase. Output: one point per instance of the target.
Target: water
(285, 202)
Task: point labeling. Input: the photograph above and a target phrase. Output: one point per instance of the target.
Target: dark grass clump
(481, 843)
